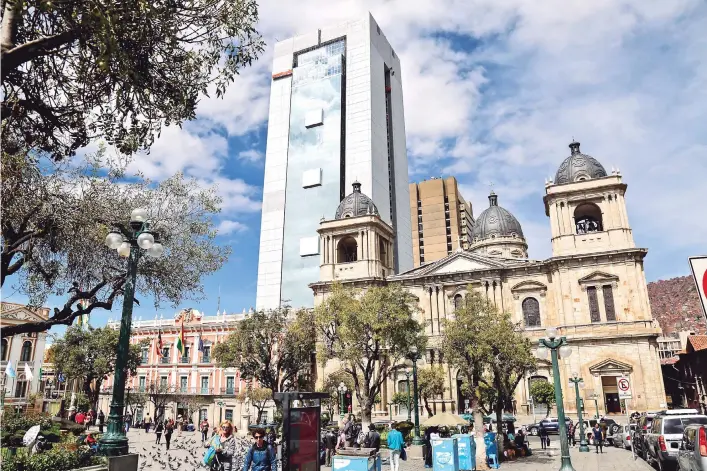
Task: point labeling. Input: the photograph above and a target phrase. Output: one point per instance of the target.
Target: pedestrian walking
(544, 437)
(180, 423)
(372, 438)
(570, 434)
(348, 432)
(204, 427)
(101, 421)
(428, 445)
(168, 429)
(330, 442)
(261, 456)
(395, 445)
(159, 428)
(127, 420)
(598, 438)
(147, 422)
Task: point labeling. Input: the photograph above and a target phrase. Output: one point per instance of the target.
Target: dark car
(643, 424)
(551, 424)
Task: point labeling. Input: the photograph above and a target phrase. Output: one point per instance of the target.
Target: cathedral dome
(495, 221)
(355, 204)
(578, 167)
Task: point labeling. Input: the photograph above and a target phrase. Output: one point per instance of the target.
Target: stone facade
(593, 289)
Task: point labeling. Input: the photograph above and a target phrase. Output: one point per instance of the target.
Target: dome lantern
(356, 204)
(578, 167)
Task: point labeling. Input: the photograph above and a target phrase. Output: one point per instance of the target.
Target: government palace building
(592, 289)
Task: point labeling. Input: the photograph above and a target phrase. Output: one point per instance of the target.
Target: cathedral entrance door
(613, 404)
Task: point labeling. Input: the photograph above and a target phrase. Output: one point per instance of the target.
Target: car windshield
(677, 425)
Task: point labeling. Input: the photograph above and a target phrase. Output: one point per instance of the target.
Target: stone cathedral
(593, 288)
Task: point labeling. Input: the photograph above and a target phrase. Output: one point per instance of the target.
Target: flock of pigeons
(156, 457)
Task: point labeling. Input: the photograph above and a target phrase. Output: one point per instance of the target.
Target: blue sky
(494, 91)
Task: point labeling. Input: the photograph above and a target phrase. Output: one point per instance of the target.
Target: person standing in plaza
(147, 423)
(544, 436)
(204, 427)
(168, 429)
(373, 438)
(330, 442)
(348, 432)
(395, 445)
(159, 428)
(570, 434)
(598, 438)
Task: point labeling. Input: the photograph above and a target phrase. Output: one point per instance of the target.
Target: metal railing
(206, 359)
(164, 360)
(184, 360)
(229, 391)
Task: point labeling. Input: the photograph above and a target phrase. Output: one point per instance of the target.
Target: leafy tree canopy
(543, 392)
(430, 384)
(89, 355)
(76, 70)
(369, 333)
(273, 348)
(55, 220)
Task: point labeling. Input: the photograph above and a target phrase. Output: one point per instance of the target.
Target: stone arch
(347, 250)
(588, 218)
(26, 352)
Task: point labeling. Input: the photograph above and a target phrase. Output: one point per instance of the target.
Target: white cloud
(251, 156)
(227, 226)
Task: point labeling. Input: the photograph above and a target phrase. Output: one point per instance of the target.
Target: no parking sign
(624, 386)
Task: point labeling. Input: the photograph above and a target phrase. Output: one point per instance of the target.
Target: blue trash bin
(355, 463)
(445, 454)
(467, 451)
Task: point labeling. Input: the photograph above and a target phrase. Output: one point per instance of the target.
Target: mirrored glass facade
(317, 84)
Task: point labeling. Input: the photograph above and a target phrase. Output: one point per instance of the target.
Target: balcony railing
(143, 361)
(229, 391)
(197, 391)
(164, 360)
(184, 360)
(206, 359)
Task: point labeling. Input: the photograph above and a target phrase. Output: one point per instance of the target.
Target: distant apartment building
(441, 219)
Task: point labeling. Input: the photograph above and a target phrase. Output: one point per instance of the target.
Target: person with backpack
(204, 427)
(373, 438)
(395, 445)
(349, 432)
(168, 430)
(544, 436)
(330, 442)
(260, 457)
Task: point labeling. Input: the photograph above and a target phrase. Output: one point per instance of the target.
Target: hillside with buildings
(676, 305)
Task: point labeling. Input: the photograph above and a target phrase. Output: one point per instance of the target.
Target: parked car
(665, 435)
(638, 439)
(607, 424)
(692, 455)
(551, 424)
(622, 437)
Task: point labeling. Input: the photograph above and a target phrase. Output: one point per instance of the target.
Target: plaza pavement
(186, 453)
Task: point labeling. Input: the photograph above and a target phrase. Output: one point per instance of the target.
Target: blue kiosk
(467, 451)
(445, 454)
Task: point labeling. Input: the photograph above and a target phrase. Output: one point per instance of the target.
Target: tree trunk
(427, 407)
(475, 405)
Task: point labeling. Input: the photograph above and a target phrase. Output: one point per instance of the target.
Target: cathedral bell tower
(586, 207)
(357, 244)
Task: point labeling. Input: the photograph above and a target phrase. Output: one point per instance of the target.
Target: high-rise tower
(336, 116)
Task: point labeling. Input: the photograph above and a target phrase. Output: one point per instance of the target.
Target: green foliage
(89, 354)
(543, 392)
(259, 397)
(55, 220)
(271, 348)
(430, 384)
(119, 70)
(56, 459)
(369, 332)
(400, 399)
(13, 422)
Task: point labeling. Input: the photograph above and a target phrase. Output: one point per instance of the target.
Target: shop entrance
(612, 404)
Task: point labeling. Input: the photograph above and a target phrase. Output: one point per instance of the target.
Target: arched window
(26, 353)
(458, 301)
(383, 252)
(4, 350)
(531, 312)
(587, 218)
(347, 250)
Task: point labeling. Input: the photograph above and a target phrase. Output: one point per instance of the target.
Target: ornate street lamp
(413, 355)
(342, 391)
(128, 243)
(558, 344)
(407, 379)
(579, 383)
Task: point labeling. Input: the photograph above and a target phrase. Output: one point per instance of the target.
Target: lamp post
(407, 378)
(555, 344)
(390, 411)
(595, 396)
(128, 243)
(414, 356)
(342, 391)
(579, 383)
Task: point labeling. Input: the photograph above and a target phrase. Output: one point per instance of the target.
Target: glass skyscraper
(336, 115)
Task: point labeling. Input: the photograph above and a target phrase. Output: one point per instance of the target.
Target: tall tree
(76, 70)
(55, 220)
(330, 385)
(273, 348)
(430, 384)
(369, 333)
(160, 393)
(543, 392)
(88, 355)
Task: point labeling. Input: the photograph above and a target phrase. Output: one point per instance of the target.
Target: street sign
(624, 386)
(699, 273)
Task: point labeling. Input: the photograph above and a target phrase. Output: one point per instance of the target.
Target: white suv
(663, 439)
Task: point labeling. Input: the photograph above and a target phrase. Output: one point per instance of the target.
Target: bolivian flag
(180, 340)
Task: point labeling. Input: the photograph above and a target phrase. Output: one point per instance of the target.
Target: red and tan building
(194, 374)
